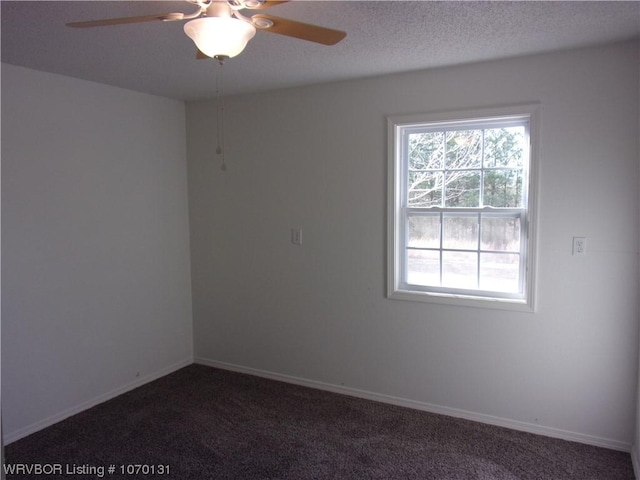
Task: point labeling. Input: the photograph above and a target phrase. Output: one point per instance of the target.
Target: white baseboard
(10, 437)
(427, 407)
(635, 460)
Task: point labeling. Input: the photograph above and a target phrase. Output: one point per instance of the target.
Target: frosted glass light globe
(219, 36)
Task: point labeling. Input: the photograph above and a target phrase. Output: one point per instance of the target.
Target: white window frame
(397, 211)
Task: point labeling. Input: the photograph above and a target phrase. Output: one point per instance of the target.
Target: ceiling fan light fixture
(220, 36)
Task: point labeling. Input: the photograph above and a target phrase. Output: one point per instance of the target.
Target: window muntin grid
(470, 177)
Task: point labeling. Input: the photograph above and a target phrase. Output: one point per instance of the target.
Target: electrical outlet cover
(579, 245)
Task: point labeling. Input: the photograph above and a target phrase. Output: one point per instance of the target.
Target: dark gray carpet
(207, 423)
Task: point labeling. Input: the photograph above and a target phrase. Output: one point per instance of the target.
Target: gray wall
(96, 294)
(96, 287)
(314, 158)
(635, 453)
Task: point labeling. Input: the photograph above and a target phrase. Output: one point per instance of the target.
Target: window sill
(463, 300)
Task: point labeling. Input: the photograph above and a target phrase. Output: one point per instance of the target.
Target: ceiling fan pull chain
(220, 116)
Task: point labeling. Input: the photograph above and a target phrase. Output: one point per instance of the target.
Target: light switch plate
(296, 236)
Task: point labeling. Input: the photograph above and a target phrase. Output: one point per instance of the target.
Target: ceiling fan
(220, 31)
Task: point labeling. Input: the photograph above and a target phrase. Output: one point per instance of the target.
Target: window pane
(426, 151)
(423, 267)
(464, 149)
(425, 189)
(499, 272)
(458, 206)
(500, 233)
(460, 270)
(503, 188)
(424, 231)
(462, 189)
(460, 232)
(504, 147)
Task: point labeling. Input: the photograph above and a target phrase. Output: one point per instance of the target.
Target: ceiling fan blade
(303, 31)
(125, 20)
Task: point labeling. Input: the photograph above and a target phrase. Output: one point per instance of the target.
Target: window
(461, 191)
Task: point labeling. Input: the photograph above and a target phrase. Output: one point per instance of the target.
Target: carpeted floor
(204, 423)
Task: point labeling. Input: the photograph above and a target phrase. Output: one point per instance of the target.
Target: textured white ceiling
(382, 37)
